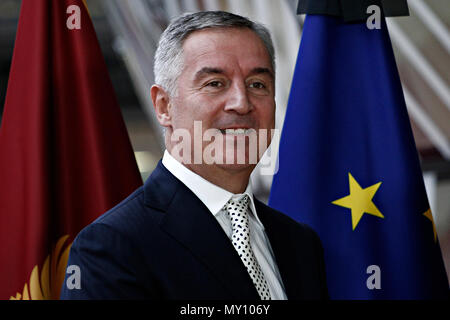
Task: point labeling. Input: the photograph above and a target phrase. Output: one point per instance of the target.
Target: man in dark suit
(194, 230)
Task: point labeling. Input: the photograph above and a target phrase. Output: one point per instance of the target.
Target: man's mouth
(237, 131)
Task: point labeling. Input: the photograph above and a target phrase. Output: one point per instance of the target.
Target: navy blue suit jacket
(163, 243)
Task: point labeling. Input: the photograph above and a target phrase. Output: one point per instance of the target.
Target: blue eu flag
(348, 166)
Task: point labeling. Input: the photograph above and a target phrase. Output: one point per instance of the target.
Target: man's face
(227, 83)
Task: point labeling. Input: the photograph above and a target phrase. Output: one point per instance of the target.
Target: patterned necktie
(237, 212)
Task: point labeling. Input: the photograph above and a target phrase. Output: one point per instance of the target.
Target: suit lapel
(189, 221)
(283, 249)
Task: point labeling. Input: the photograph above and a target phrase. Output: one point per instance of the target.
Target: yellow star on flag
(430, 216)
(359, 201)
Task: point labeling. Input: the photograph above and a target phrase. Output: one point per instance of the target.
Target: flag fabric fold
(65, 155)
(349, 168)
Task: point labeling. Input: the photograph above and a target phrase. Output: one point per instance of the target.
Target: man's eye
(215, 84)
(257, 85)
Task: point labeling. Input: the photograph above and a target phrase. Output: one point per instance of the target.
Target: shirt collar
(213, 196)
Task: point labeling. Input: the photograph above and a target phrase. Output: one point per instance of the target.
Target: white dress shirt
(214, 199)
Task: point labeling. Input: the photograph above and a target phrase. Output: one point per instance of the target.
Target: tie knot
(237, 206)
(237, 213)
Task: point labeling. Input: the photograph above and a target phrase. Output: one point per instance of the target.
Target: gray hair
(168, 63)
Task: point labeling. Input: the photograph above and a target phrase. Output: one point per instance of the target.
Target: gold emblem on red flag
(47, 284)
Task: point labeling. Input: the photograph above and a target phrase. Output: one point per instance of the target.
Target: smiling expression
(227, 83)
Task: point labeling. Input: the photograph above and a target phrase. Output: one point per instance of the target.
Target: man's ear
(161, 103)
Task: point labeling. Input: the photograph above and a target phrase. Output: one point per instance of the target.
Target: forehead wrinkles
(218, 48)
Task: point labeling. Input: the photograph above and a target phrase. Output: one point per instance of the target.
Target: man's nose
(238, 99)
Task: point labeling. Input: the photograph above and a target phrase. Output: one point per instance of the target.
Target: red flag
(65, 156)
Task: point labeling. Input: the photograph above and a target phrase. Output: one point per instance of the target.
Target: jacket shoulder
(109, 254)
(130, 215)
